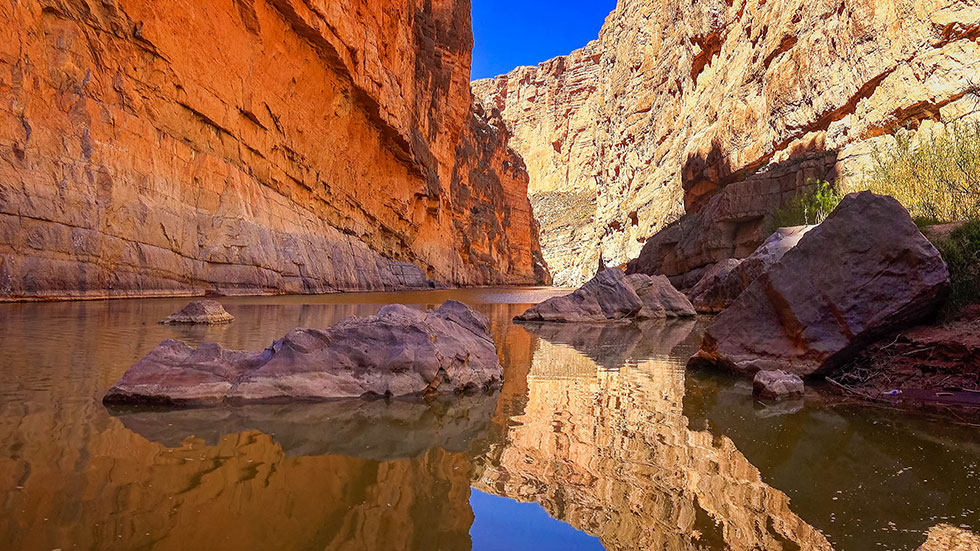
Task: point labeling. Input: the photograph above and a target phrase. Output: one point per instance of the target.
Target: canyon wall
(246, 146)
(677, 101)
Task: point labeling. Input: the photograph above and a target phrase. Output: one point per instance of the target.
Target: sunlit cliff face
(610, 452)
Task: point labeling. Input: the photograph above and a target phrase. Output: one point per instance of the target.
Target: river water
(599, 439)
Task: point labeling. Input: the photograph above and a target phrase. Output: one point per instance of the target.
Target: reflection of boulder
(611, 346)
(866, 477)
(371, 429)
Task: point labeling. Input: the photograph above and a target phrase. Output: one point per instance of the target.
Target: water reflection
(601, 426)
(370, 429)
(610, 452)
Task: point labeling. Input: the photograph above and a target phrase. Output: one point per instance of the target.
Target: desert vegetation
(935, 176)
(809, 207)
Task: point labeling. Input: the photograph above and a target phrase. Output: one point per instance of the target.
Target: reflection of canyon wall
(114, 490)
(610, 453)
(267, 145)
(676, 100)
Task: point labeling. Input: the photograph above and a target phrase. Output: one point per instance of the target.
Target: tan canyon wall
(250, 146)
(676, 101)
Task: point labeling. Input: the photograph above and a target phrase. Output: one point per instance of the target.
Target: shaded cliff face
(676, 101)
(244, 146)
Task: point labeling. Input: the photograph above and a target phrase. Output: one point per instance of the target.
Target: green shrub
(937, 178)
(961, 250)
(812, 207)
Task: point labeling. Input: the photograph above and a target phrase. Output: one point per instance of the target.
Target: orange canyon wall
(249, 146)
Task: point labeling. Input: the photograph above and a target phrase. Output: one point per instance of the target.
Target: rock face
(399, 352)
(611, 296)
(336, 148)
(207, 312)
(676, 102)
(660, 299)
(777, 385)
(606, 297)
(864, 272)
(724, 282)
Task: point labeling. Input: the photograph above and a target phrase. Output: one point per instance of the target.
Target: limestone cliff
(248, 146)
(676, 101)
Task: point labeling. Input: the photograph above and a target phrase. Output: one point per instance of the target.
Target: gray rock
(712, 293)
(729, 278)
(607, 297)
(777, 385)
(208, 312)
(660, 299)
(399, 352)
(864, 272)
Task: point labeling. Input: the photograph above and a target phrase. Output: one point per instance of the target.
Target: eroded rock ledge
(295, 146)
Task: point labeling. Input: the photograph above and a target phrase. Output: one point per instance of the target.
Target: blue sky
(509, 33)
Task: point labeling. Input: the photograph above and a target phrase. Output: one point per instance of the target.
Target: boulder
(725, 281)
(712, 294)
(399, 352)
(207, 312)
(660, 299)
(606, 297)
(864, 272)
(777, 385)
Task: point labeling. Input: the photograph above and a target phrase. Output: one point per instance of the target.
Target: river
(599, 439)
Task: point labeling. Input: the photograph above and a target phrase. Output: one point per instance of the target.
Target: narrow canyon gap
(721, 110)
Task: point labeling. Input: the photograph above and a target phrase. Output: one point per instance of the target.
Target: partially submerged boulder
(864, 272)
(205, 312)
(399, 352)
(606, 297)
(660, 299)
(777, 385)
(722, 284)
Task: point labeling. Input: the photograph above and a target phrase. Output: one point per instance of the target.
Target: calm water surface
(598, 440)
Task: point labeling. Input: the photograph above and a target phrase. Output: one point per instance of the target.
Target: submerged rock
(725, 281)
(777, 385)
(399, 352)
(660, 299)
(864, 272)
(205, 312)
(606, 297)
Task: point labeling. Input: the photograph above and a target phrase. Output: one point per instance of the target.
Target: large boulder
(725, 281)
(864, 272)
(606, 297)
(399, 352)
(203, 312)
(660, 298)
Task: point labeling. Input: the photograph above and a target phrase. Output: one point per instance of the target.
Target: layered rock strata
(249, 146)
(676, 102)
